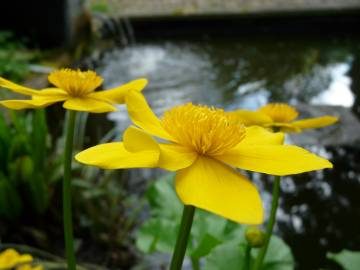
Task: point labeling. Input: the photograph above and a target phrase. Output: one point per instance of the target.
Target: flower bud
(255, 236)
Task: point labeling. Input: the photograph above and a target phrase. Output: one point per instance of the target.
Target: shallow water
(320, 211)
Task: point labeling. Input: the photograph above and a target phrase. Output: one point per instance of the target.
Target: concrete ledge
(159, 8)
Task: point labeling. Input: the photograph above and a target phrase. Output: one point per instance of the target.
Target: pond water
(320, 211)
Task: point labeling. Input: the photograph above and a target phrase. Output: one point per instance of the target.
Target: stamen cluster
(208, 131)
(280, 112)
(75, 82)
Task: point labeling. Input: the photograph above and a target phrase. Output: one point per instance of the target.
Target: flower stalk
(270, 226)
(248, 256)
(67, 212)
(183, 237)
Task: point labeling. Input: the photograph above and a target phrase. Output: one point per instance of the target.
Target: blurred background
(231, 54)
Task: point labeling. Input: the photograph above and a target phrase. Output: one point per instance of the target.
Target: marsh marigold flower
(29, 267)
(281, 116)
(204, 146)
(11, 258)
(75, 88)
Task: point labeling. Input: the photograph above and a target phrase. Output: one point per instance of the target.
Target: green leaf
(229, 256)
(10, 203)
(160, 231)
(38, 139)
(349, 260)
(278, 256)
(163, 199)
(157, 235)
(38, 193)
(205, 222)
(235, 233)
(207, 243)
(18, 146)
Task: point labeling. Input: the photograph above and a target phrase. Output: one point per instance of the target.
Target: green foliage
(349, 260)
(24, 164)
(159, 232)
(231, 255)
(217, 241)
(103, 206)
(278, 256)
(14, 57)
(100, 6)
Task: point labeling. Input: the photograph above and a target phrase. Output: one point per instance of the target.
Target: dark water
(320, 211)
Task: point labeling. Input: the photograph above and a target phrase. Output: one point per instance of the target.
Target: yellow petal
(317, 122)
(50, 92)
(136, 140)
(251, 118)
(28, 91)
(117, 95)
(213, 186)
(17, 88)
(10, 257)
(279, 112)
(88, 105)
(115, 156)
(260, 136)
(32, 103)
(29, 267)
(175, 157)
(142, 116)
(25, 258)
(274, 159)
(172, 157)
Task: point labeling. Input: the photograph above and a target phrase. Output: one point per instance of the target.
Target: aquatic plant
(77, 90)
(278, 117)
(282, 117)
(10, 259)
(25, 166)
(214, 242)
(203, 146)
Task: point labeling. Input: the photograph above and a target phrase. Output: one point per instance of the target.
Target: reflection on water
(338, 92)
(320, 211)
(236, 73)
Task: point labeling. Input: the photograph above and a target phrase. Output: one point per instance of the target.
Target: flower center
(208, 131)
(75, 82)
(279, 112)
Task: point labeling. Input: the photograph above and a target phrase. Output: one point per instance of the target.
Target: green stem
(183, 237)
(67, 213)
(269, 228)
(195, 263)
(247, 257)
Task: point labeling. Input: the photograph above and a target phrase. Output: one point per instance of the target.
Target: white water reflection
(339, 92)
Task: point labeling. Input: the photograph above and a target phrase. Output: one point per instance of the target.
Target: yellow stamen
(279, 112)
(208, 131)
(75, 82)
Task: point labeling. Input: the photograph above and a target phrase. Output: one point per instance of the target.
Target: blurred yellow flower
(75, 88)
(204, 145)
(10, 258)
(281, 116)
(29, 267)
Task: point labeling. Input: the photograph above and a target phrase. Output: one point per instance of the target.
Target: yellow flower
(75, 88)
(282, 116)
(204, 145)
(10, 258)
(29, 267)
